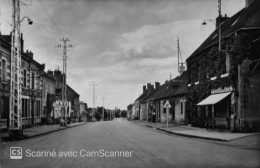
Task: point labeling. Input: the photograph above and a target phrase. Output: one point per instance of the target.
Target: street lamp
(218, 26)
(219, 31)
(30, 22)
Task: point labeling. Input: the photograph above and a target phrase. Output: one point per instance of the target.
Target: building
(140, 105)
(31, 82)
(224, 84)
(180, 99)
(82, 107)
(72, 95)
(157, 100)
(48, 95)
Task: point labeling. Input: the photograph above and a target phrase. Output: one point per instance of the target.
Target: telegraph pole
(15, 115)
(219, 27)
(65, 47)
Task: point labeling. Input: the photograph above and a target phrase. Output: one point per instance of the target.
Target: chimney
(148, 86)
(221, 19)
(22, 43)
(144, 88)
(49, 72)
(157, 85)
(248, 2)
(57, 73)
(29, 54)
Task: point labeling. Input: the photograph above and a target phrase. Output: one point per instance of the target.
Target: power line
(53, 22)
(41, 25)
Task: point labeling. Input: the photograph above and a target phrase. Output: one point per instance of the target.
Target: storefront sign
(222, 90)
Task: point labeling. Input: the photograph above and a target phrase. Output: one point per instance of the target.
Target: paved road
(149, 148)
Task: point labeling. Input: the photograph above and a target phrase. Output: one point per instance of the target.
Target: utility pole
(65, 47)
(15, 115)
(94, 97)
(219, 27)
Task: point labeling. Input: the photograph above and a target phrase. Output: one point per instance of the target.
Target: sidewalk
(40, 130)
(194, 132)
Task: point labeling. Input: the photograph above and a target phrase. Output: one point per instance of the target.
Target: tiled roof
(183, 84)
(142, 98)
(164, 91)
(248, 17)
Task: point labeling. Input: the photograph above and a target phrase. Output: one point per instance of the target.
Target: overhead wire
(42, 26)
(51, 18)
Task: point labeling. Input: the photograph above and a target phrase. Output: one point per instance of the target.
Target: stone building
(49, 93)
(224, 82)
(31, 82)
(72, 95)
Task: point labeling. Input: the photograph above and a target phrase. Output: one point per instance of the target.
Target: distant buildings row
(220, 85)
(41, 91)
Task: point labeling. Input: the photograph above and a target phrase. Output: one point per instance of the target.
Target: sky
(120, 45)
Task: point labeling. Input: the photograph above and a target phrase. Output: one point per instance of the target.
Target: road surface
(84, 146)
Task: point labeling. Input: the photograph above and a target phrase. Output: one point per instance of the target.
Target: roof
(248, 17)
(48, 76)
(145, 95)
(6, 39)
(164, 91)
(183, 84)
(72, 90)
(59, 91)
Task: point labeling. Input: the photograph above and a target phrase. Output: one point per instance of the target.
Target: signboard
(222, 90)
(167, 105)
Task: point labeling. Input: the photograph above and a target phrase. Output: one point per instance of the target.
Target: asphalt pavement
(121, 143)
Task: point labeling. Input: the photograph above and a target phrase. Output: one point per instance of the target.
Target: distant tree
(124, 113)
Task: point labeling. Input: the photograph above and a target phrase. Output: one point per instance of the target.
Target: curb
(187, 135)
(193, 136)
(36, 135)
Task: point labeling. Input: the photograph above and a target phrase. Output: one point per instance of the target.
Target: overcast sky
(119, 44)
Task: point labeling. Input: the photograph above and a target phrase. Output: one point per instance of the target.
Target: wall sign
(222, 90)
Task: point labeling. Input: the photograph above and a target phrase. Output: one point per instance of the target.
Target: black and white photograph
(130, 83)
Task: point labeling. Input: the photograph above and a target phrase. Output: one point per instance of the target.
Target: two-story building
(31, 82)
(71, 95)
(223, 81)
(49, 94)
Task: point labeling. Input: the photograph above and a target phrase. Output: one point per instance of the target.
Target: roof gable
(248, 17)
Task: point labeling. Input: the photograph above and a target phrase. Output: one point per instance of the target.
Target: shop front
(220, 108)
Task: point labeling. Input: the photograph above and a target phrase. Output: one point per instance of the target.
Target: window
(24, 78)
(4, 71)
(32, 80)
(181, 107)
(38, 106)
(24, 108)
